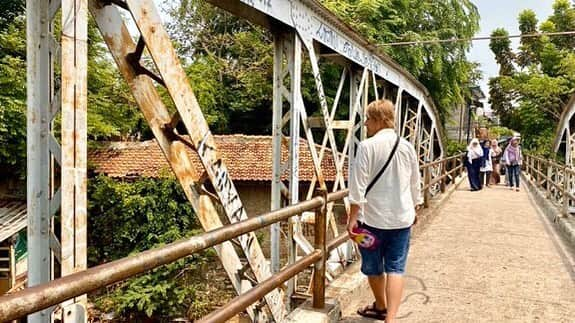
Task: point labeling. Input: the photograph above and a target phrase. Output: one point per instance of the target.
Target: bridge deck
(488, 257)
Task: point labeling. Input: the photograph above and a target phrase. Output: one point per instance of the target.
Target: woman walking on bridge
(473, 163)
(513, 160)
(486, 164)
(496, 153)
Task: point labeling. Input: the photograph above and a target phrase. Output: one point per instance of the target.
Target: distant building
(459, 126)
(248, 159)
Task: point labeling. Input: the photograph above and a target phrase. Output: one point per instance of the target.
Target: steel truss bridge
(303, 31)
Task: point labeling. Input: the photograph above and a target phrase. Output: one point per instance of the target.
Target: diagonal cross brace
(159, 46)
(120, 43)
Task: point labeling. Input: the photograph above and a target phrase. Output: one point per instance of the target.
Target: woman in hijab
(486, 164)
(474, 159)
(513, 160)
(496, 153)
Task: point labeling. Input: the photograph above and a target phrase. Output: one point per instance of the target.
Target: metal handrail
(457, 169)
(40, 297)
(33, 299)
(541, 172)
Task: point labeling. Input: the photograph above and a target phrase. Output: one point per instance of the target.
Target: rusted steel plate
(121, 44)
(147, 19)
(74, 65)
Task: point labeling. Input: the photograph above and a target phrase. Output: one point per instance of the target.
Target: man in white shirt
(387, 211)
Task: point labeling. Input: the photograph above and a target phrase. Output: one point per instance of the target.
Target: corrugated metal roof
(12, 218)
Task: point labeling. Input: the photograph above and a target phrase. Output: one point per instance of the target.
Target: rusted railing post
(538, 173)
(548, 182)
(443, 176)
(566, 177)
(319, 267)
(426, 191)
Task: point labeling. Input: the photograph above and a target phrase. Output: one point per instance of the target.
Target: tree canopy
(443, 68)
(535, 82)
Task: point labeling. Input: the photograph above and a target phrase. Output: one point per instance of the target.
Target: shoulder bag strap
(384, 166)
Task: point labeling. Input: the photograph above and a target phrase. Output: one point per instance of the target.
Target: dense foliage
(535, 82)
(112, 111)
(443, 68)
(12, 88)
(130, 217)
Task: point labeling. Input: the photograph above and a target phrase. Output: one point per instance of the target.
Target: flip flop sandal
(372, 312)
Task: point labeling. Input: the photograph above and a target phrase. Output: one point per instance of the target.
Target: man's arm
(358, 182)
(352, 219)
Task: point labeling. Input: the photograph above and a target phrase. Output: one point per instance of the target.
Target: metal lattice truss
(565, 133)
(304, 33)
(47, 153)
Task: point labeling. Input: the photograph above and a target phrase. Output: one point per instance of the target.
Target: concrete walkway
(489, 256)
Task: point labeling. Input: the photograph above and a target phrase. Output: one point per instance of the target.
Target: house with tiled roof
(248, 159)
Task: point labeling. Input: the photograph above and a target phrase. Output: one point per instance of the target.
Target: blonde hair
(382, 111)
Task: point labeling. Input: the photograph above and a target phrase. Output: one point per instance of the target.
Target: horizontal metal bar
(337, 242)
(241, 302)
(39, 297)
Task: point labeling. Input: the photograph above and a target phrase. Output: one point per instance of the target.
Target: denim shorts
(390, 255)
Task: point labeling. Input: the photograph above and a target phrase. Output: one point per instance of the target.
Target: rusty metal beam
(36, 298)
(159, 45)
(74, 137)
(120, 43)
(239, 303)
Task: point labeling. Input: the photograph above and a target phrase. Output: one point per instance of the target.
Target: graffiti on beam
(223, 184)
(263, 5)
(348, 48)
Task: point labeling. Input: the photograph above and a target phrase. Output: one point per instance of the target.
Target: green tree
(130, 217)
(229, 65)
(530, 46)
(113, 113)
(443, 68)
(501, 47)
(13, 96)
(532, 100)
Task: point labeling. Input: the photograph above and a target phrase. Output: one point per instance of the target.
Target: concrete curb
(306, 313)
(564, 225)
(351, 284)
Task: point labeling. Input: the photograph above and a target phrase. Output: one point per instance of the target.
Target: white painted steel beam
(276, 197)
(38, 155)
(314, 21)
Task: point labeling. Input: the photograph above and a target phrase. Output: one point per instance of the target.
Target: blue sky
(501, 13)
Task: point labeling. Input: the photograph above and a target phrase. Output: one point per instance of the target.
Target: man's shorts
(390, 255)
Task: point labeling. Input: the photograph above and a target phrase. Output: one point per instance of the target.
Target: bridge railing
(554, 178)
(437, 175)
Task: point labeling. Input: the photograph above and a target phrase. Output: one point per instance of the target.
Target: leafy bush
(454, 147)
(130, 217)
(498, 132)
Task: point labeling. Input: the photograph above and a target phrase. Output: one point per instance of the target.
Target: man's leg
(394, 292)
(395, 261)
(377, 284)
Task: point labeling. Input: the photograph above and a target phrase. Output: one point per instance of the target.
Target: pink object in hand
(365, 239)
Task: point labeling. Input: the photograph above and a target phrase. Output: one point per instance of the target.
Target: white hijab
(474, 151)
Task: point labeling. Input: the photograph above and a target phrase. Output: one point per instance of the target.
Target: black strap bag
(384, 166)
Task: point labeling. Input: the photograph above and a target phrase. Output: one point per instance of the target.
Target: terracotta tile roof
(248, 158)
